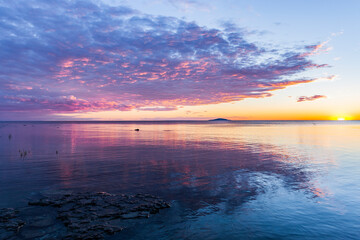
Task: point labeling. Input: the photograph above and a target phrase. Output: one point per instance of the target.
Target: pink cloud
(311, 98)
(115, 58)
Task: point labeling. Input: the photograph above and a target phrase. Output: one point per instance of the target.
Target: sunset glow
(97, 60)
(179, 119)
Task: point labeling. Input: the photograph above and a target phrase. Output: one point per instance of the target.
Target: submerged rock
(9, 221)
(42, 221)
(78, 215)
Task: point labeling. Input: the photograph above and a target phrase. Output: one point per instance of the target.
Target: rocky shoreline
(77, 215)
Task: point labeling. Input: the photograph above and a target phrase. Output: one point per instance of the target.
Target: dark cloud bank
(80, 56)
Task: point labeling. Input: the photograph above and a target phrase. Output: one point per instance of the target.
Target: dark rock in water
(86, 215)
(130, 215)
(219, 120)
(9, 220)
(49, 232)
(77, 216)
(136, 129)
(6, 234)
(31, 233)
(42, 221)
(7, 213)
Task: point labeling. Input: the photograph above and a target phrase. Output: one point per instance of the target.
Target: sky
(179, 60)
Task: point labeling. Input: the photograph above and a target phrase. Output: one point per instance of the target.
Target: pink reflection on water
(180, 161)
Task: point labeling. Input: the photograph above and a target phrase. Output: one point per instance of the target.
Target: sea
(224, 180)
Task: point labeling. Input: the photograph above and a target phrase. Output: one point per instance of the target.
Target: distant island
(219, 120)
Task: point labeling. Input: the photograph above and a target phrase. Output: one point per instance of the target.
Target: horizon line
(182, 120)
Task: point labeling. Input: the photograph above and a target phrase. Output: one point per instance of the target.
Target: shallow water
(252, 180)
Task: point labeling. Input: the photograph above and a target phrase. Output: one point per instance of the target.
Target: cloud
(156, 109)
(311, 98)
(317, 49)
(187, 5)
(84, 56)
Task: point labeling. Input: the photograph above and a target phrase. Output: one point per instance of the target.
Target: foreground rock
(84, 215)
(10, 224)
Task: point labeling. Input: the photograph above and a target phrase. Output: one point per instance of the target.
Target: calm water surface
(238, 180)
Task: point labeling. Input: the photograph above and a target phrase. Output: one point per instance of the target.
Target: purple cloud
(311, 98)
(82, 56)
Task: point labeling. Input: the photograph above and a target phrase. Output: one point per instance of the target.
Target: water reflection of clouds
(198, 175)
(193, 165)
